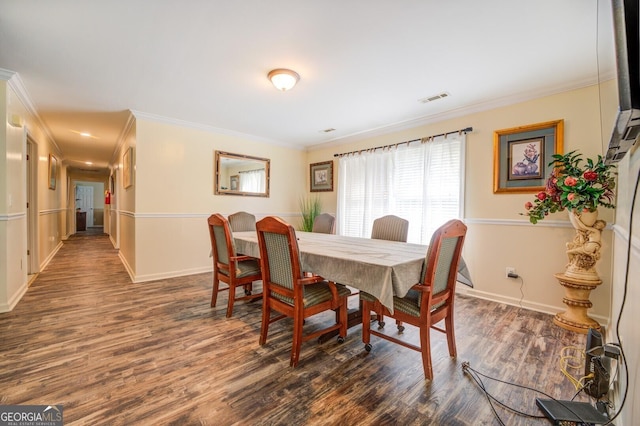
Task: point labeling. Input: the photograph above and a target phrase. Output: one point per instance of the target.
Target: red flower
(542, 195)
(590, 175)
(528, 205)
(571, 196)
(570, 181)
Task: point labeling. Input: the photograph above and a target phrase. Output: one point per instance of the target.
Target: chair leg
(342, 311)
(451, 336)
(366, 324)
(232, 298)
(425, 346)
(297, 339)
(216, 285)
(264, 328)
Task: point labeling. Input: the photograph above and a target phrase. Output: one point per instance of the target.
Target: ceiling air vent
(434, 97)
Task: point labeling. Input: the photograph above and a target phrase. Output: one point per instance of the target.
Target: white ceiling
(364, 64)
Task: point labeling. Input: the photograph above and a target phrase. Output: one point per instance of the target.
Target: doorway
(32, 209)
(84, 204)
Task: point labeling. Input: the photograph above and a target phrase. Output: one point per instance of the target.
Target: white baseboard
(512, 301)
(171, 274)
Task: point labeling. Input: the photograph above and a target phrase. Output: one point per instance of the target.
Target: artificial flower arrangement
(574, 186)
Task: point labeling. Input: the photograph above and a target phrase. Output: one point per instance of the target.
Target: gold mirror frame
(230, 169)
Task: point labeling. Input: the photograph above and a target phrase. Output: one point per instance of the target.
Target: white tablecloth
(379, 267)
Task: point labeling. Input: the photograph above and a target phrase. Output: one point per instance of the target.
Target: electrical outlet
(510, 270)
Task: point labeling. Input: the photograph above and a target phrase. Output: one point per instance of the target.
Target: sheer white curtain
(420, 182)
(253, 181)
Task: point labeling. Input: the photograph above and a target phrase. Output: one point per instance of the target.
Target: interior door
(84, 201)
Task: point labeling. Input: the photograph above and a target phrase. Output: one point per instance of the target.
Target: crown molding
(460, 112)
(211, 129)
(15, 83)
(122, 137)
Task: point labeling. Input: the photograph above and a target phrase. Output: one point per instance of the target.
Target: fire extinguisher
(107, 197)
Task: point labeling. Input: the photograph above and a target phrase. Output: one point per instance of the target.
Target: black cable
(624, 300)
(474, 375)
(521, 291)
(465, 368)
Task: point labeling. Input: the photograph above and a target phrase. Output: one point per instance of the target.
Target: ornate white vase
(580, 275)
(584, 251)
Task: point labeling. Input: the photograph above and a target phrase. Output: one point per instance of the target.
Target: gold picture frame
(321, 176)
(53, 171)
(127, 168)
(521, 156)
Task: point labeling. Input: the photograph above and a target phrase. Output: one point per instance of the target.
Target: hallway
(118, 353)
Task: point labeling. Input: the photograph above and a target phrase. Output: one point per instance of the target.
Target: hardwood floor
(113, 352)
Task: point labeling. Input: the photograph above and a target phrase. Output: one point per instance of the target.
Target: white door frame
(33, 259)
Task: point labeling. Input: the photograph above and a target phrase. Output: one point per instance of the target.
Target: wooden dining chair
(324, 223)
(242, 221)
(429, 301)
(289, 292)
(391, 228)
(228, 267)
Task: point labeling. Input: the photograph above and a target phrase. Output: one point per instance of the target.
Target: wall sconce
(283, 79)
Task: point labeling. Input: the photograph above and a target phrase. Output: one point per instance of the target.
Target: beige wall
(49, 225)
(498, 236)
(174, 194)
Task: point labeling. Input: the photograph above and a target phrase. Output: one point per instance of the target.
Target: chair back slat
(242, 221)
(222, 250)
(444, 264)
(391, 228)
(324, 223)
(441, 264)
(279, 259)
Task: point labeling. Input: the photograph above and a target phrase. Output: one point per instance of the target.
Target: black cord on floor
(475, 375)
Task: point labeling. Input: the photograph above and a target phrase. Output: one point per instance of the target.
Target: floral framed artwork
(127, 168)
(521, 156)
(321, 176)
(53, 171)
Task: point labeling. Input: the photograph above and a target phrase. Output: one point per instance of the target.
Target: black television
(626, 26)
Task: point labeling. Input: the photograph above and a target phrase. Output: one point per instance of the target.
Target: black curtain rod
(465, 130)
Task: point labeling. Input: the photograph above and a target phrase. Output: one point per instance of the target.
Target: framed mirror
(238, 174)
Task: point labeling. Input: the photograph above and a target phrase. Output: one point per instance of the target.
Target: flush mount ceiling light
(283, 79)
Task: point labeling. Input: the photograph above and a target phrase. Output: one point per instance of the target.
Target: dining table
(381, 268)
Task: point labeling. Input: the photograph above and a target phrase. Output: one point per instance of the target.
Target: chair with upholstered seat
(324, 223)
(291, 293)
(391, 228)
(230, 268)
(429, 301)
(242, 221)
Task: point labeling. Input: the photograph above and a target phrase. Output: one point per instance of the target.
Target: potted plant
(580, 187)
(310, 207)
(574, 186)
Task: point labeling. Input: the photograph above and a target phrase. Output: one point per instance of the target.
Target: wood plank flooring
(117, 353)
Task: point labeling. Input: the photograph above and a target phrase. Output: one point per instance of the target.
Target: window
(418, 182)
(252, 181)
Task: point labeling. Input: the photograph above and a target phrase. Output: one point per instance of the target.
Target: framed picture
(521, 156)
(53, 171)
(127, 168)
(322, 176)
(234, 182)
